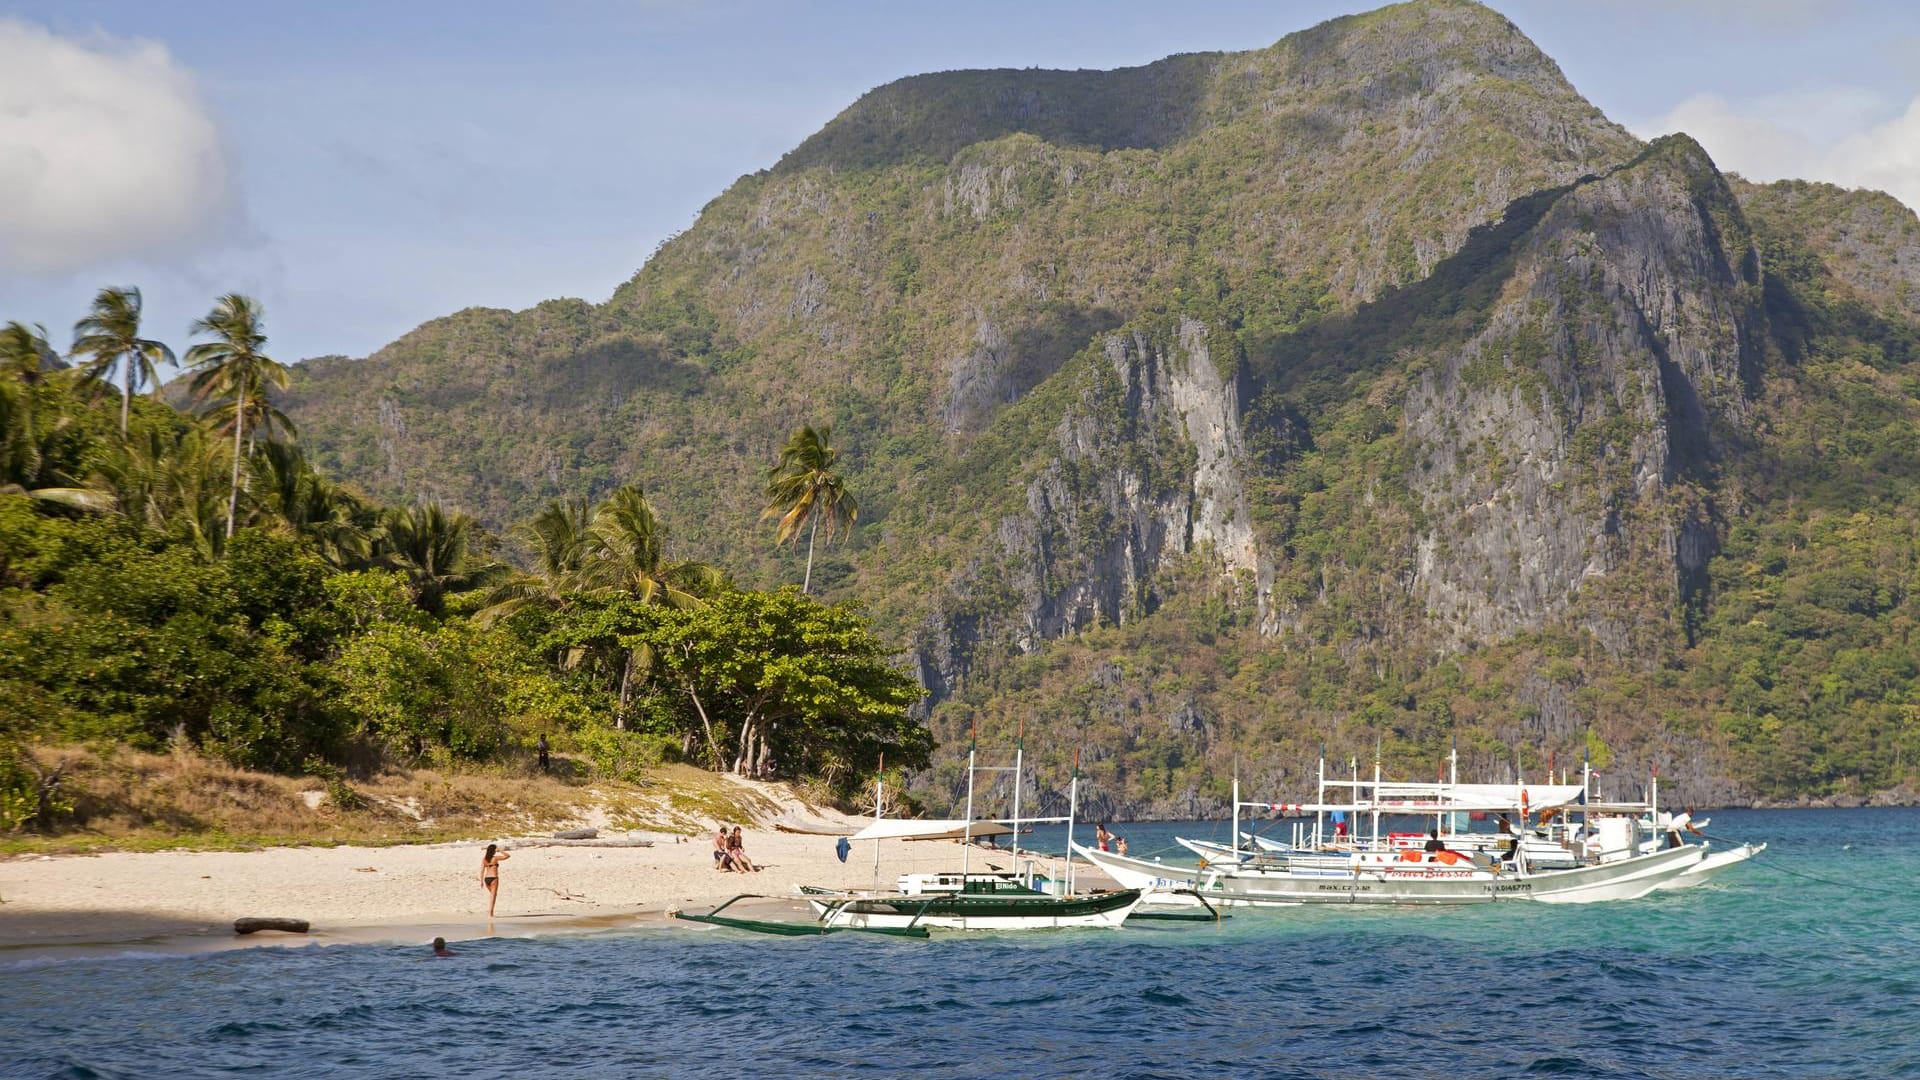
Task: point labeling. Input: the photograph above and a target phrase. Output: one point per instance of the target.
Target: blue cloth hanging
(843, 848)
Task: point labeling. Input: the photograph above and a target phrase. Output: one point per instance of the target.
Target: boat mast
(1453, 781)
(1653, 805)
(1586, 792)
(1376, 792)
(1073, 808)
(1320, 800)
(1236, 811)
(1019, 762)
(879, 791)
(1353, 803)
(966, 832)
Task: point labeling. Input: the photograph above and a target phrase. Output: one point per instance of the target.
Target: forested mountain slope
(1368, 389)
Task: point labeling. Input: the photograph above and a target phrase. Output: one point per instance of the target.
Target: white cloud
(106, 151)
(1843, 136)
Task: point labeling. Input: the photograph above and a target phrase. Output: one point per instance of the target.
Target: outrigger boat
(1607, 858)
(1025, 899)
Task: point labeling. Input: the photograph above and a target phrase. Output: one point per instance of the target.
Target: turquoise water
(1768, 973)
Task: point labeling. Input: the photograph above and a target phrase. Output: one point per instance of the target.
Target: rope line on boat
(1771, 865)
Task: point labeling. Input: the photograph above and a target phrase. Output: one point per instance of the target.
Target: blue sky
(364, 167)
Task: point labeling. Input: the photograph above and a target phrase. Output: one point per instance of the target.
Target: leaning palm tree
(233, 369)
(109, 338)
(803, 489)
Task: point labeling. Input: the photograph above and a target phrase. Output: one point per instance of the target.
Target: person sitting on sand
(490, 874)
(722, 859)
(737, 851)
(440, 948)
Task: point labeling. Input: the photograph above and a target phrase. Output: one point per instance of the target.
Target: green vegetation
(177, 588)
(1411, 250)
(1549, 442)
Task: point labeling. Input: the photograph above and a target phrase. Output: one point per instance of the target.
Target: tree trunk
(764, 767)
(626, 692)
(126, 393)
(713, 745)
(233, 499)
(806, 585)
(745, 756)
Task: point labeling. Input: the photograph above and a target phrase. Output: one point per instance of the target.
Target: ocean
(1802, 962)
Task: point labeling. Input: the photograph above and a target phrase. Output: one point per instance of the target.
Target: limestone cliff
(1370, 388)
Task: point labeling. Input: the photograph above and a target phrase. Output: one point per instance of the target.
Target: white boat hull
(1418, 884)
(1712, 864)
(1060, 914)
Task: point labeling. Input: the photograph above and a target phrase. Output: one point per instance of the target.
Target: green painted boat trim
(1177, 916)
(789, 929)
(987, 906)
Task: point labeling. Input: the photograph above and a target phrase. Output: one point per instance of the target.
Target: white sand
(190, 899)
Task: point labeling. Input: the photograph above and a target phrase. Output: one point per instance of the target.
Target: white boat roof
(933, 829)
(1436, 798)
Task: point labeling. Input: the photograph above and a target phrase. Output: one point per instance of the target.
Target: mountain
(1370, 391)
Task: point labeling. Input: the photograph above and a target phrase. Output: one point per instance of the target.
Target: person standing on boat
(1677, 822)
(1102, 836)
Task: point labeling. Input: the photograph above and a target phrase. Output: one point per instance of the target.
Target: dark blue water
(1770, 973)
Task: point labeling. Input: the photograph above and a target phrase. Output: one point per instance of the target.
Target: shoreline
(184, 902)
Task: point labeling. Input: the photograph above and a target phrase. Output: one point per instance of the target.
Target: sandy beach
(188, 900)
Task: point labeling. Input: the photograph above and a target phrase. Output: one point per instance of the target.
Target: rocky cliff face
(1578, 432)
(1371, 387)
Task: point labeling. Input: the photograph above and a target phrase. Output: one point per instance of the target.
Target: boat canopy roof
(1393, 798)
(948, 829)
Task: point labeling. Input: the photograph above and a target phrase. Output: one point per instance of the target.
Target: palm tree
(232, 367)
(434, 549)
(624, 554)
(803, 489)
(110, 339)
(312, 508)
(42, 446)
(168, 479)
(24, 352)
(560, 534)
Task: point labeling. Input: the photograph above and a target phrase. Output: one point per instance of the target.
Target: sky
(362, 167)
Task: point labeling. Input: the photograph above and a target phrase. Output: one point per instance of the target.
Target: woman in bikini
(490, 874)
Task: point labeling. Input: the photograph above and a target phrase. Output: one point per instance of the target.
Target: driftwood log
(255, 925)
